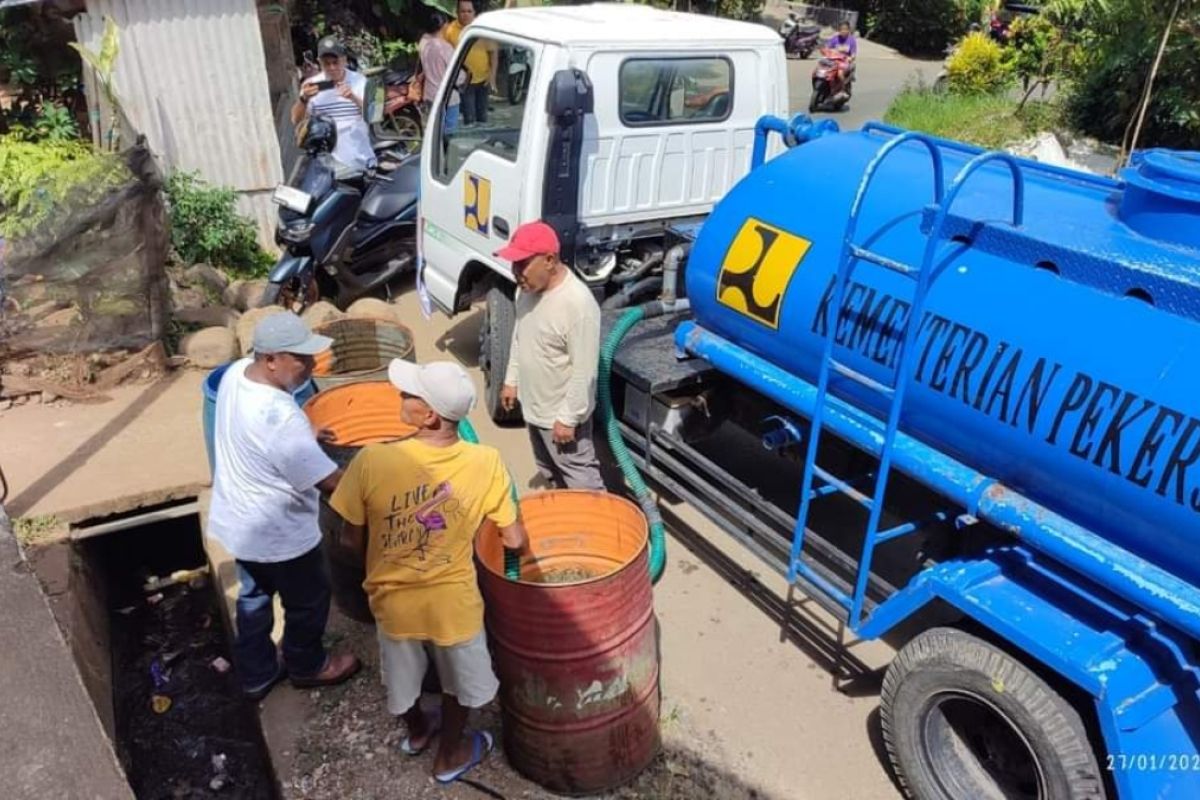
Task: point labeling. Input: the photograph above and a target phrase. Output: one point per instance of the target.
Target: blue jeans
(303, 586)
(450, 123)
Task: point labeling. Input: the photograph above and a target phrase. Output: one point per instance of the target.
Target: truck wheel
(962, 718)
(495, 334)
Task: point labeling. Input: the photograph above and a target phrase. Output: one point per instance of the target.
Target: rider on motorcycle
(845, 42)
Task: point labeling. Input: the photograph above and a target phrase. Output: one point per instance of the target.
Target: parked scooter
(799, 40)
(403, 117)
(345, 233)
(830, 81)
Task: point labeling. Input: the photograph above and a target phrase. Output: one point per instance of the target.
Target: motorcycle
(344, 233)
(518, 76)
(798, 40)
(403, 117)
(830, 82)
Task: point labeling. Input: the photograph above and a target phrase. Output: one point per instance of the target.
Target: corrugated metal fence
(191, 76)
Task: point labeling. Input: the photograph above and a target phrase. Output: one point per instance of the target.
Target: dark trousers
(303, 587)
(475, 103)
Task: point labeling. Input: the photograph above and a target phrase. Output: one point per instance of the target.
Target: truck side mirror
(570, 94)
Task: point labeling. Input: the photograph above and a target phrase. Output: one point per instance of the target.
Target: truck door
(474, 176)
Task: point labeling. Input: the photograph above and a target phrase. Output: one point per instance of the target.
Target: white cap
(444, 385)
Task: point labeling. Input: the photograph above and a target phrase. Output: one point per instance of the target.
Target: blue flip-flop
(434, 721)
(478, 754)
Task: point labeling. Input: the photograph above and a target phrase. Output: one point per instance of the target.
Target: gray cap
(287, 333)
(330, 46)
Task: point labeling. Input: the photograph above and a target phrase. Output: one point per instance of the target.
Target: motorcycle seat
(387, 199)
(809, 30)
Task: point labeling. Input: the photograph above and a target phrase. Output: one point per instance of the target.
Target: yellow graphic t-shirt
(422, 505)
(476, 60)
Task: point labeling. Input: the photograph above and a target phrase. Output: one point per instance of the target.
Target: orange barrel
(575, 642)
(358, 414)
(361, 350)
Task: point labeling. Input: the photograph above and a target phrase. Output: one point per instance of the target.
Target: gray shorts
(465, 671)
(571, 466)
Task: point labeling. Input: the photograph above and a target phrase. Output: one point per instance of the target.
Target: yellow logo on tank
(757, 268)
(477, 203)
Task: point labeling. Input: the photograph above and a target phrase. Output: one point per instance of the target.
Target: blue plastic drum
(212, 383)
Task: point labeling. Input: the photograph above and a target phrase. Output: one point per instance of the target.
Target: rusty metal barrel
(358, 414)
(361, 350)
(575, 642)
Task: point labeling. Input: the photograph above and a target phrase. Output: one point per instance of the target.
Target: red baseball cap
(529, 240)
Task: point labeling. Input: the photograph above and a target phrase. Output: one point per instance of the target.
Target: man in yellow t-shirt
(480, 63)
(416, 505)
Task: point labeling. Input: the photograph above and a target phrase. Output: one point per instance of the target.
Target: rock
(209, 316)
(210, 347)
(206, 276)
(246, 325)
(244, 295)
(230, 296)
(185, 298)
(374, 308)
(48, 397)
(6, 404)
(319, 313)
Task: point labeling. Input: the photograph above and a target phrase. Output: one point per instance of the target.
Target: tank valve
(1162, 196)
(781, 432)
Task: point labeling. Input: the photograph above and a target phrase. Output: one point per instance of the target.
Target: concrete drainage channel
(155, 655)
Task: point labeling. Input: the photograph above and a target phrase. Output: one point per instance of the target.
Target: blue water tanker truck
(954, 397)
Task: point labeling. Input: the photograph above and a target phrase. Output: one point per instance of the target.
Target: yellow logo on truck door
(757, 269)
(477, 203)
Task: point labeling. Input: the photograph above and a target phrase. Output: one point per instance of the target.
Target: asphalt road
(882, 73)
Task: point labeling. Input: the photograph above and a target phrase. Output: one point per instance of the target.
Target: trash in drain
(183, 729)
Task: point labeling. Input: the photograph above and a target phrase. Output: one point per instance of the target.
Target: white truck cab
(612, 122)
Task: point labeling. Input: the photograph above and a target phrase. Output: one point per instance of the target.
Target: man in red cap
(553, 359)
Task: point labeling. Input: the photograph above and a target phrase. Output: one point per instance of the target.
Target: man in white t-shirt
(553, 359)
(337, 93)
(269, 472)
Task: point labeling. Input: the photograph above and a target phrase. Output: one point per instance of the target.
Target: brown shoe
(339, 667)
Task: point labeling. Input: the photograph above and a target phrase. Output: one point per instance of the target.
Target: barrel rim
(634, 559)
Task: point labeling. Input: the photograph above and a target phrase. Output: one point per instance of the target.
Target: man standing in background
(435, 53)
(337, 92)
(554, 358)
(480, 62)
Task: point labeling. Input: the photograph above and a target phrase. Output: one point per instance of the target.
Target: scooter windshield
(314, 177)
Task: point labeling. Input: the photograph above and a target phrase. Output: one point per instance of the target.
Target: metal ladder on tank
(893, 392)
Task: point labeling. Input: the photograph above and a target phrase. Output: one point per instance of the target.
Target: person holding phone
(337, 93)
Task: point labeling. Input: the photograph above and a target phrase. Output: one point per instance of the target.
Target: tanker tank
(1059, 355)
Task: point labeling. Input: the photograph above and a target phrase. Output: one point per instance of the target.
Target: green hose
(658, 531)
(512, 559)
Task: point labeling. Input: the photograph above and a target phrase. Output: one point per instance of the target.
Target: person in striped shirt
(337, 93)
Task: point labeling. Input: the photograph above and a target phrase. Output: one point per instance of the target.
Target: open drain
(179, 723)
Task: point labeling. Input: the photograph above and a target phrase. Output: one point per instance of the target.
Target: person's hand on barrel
(326, 436)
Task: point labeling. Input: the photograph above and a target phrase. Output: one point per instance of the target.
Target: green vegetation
(987, 120)
(978, 66)
(206, 227)
(33, 531)
(37, 176)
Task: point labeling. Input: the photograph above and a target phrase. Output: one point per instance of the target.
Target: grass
(32, 531)
(990, 121)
